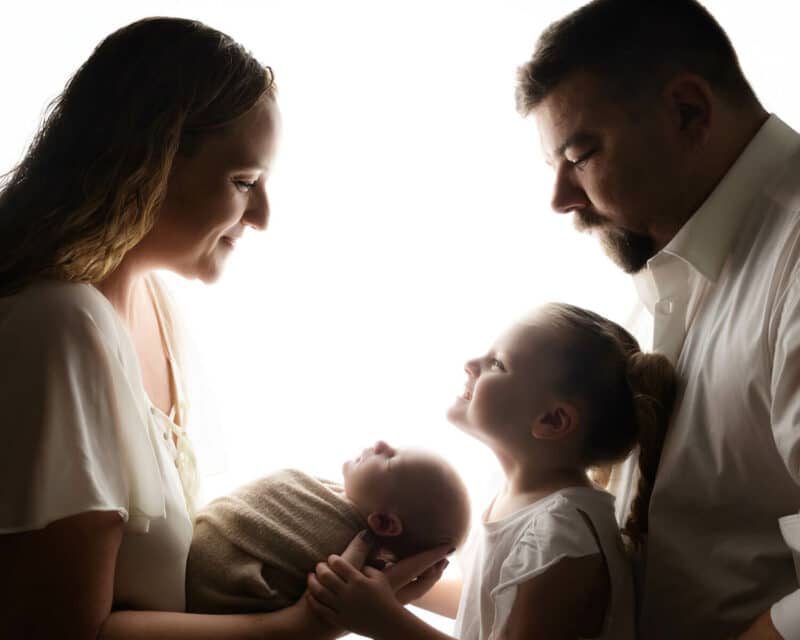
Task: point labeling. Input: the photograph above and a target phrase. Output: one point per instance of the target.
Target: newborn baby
(253, 549)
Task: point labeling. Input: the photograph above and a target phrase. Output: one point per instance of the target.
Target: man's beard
(629, 251)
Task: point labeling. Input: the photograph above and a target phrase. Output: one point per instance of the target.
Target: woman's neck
(123, 287)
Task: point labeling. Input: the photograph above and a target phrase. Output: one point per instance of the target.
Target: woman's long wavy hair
(90, 185)
(627, 395)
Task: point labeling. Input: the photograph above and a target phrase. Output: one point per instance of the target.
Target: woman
(155, 156)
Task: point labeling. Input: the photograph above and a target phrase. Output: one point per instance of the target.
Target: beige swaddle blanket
(252, 550)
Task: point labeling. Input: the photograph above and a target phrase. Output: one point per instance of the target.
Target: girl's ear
(387, 525)
(555, 423)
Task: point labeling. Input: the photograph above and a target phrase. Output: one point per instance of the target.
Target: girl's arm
(568, 601)
(364, 603)
(59, 581)
(442, 598)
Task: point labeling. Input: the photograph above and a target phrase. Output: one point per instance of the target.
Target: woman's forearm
(442, 598)
(294, 623)
(410, 627)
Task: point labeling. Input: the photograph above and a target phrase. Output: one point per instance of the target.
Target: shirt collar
(705, 240)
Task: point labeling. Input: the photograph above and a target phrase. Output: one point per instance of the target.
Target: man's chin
(629, 251)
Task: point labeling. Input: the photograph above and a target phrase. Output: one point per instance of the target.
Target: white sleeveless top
(80, 434)
(501, 555)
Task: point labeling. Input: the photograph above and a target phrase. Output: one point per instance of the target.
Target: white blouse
(501, 555)
(81, 435)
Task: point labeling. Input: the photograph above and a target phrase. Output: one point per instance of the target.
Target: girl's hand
(345, 597)
(339, 591)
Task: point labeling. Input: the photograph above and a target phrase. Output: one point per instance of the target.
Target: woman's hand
(364, 601)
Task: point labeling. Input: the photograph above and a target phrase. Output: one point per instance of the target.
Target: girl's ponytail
(653, 383)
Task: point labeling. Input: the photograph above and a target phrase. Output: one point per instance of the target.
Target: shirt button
(664, 306)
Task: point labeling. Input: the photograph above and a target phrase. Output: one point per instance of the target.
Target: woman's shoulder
(56, 302)
(51, 308)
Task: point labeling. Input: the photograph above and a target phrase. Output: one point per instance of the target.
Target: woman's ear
(557, 422)
(383, 524)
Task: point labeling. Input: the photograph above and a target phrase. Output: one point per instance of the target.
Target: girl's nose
(473, 367)
(382, 447)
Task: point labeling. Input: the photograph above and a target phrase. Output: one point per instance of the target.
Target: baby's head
(412, 499)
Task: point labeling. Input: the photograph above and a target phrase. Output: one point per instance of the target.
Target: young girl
(558, 394)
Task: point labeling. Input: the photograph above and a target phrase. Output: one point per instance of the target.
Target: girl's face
(214, 194)
(507, 388)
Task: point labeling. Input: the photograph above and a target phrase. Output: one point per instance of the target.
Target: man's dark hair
(635, 46)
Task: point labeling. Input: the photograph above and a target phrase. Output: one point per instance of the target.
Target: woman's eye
(244, 185)
(496, 364)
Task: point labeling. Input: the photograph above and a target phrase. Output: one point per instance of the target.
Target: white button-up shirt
(724, 542)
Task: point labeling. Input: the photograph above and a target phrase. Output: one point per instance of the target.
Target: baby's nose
(382, 447)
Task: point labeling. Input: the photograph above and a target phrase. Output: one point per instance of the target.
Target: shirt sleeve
(75, 435)
(786, 430)
(554, 534)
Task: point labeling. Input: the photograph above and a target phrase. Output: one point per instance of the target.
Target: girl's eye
(496, 364)
(244, 185)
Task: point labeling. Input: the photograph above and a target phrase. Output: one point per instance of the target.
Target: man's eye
(496, 364)
(581, 160)
(244, 185)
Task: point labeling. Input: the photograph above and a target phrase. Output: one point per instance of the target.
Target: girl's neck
(526, 484)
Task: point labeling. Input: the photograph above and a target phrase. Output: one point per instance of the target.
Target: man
(661, 149)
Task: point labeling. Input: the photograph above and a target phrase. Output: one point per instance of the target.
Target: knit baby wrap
(252, 550)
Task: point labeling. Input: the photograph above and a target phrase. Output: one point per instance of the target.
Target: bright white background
(410, 218)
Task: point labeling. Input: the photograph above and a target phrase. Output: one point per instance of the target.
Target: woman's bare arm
(58, 582)
(442, 598)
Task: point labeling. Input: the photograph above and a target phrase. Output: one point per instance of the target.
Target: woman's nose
(257, 213)
(472, 367)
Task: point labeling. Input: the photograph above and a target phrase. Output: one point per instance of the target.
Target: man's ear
(384, 524)
(690, 101)
(558, 421)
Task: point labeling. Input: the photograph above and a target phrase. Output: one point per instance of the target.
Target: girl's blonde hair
(627, 396)
(92, 181)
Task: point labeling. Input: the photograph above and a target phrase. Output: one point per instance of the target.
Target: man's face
(619, 173)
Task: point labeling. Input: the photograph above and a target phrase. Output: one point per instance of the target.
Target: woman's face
(214, 194)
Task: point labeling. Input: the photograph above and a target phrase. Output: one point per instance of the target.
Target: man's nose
(568, 195)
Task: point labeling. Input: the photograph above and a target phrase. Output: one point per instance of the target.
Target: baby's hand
(344, 596)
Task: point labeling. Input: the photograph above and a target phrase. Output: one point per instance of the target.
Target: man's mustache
(587, 219)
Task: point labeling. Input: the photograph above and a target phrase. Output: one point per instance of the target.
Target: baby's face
(381, 475)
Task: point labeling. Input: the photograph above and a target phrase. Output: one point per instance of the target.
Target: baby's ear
(383, 524)
(558, 421)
